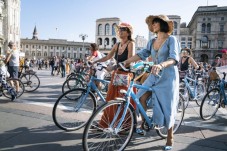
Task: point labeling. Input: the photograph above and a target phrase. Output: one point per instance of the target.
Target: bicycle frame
(92, 85)
(192, 93)
(129, 94)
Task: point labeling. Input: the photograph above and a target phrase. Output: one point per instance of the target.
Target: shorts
(13, 71)
(100, 74)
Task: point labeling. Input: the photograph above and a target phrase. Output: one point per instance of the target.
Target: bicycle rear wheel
(12, 83)
(72, 114)
(178, 119)
(210, 104)
(31, 82)
(72, 83)
(99, 134)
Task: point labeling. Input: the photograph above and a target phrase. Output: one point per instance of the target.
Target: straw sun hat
(150, 19)
(117, 28)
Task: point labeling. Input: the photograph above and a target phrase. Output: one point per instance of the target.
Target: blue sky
(75, 17)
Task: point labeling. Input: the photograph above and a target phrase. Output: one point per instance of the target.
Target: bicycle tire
(21, 88)
(105, 136)
(72, 83)
(200, 93)
(64, 115)
(180, 113)
(184, 92)
(210, 102)
(30, 85)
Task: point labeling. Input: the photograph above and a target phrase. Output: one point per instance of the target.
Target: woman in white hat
(164, 50)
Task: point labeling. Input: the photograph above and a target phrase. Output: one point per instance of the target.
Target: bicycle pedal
(141, 132)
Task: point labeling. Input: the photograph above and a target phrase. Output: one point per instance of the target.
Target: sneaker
(13, 98)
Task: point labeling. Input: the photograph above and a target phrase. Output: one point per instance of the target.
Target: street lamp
(83, 36)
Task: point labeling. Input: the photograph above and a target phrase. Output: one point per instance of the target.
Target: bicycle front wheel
(200, 93)
(178, 118)
(72, 114)
(100, 133)
(210, 104)
(31, 82)
(13, 84)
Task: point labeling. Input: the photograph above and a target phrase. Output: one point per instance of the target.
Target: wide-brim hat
(149, 21)
(117, 27)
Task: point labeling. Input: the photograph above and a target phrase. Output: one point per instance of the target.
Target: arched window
(107, 42)
(100, 29)
(175, 28)
(107, 29)
(33, 53)
(99, 41)
(114, 40)
(208, 28)
(113, 29)
(203, 28)
(45, 53)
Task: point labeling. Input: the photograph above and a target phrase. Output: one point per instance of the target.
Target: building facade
(44, 49)
(140, 42)
(208, 28)
(9, 23)
(105, 35)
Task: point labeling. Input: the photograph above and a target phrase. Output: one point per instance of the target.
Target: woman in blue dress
(164, 50)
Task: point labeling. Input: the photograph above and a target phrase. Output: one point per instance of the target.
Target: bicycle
(77, 80)
(120, 129)
(73, 108)
(192, 88)
(29, 79)
(213, 100)
(12, 83)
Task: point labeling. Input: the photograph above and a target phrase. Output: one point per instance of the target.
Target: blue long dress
(166, 88)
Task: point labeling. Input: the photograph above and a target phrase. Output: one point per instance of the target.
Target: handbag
(120, 79)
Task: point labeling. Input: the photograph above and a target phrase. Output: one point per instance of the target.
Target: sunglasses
(184, 51)
(123, 29)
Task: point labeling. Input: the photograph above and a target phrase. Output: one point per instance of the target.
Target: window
(106, 43)
(74, 55)
(51, 47)
(183, 38)
(39, 47)
(183, 44)
(45, 47)
(33, 46)
(57, 53)
(100, 29)
(189, 38)
(51, 54)
(57, 47)
(26, 46)
(203, 28)
(107, 29)
(113, 29)
(68, 48)
(100, 41)
(220, 44)
(45, 53)
(33, 53)
(68, 55)
(221, 28)
(204, 19)
(204, 42)
(208, 28)
(189, 44)
(63, 48)
(209, 19)
(222, 18)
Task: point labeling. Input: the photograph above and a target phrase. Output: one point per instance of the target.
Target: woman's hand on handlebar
(156, 69)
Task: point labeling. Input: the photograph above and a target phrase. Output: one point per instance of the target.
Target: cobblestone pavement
(27, 125)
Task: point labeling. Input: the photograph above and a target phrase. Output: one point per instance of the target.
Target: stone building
(105, 33)
(36, 48)
(140, 42)
(9, 23)
(208, 28)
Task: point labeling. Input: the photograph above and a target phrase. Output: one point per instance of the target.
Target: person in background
(217, 62)
(224, 57)
(63, 66)
(12, 59)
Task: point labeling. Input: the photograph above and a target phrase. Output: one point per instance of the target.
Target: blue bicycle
(73, 108)
(115, 133)
(192, 88)
(213, 100)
